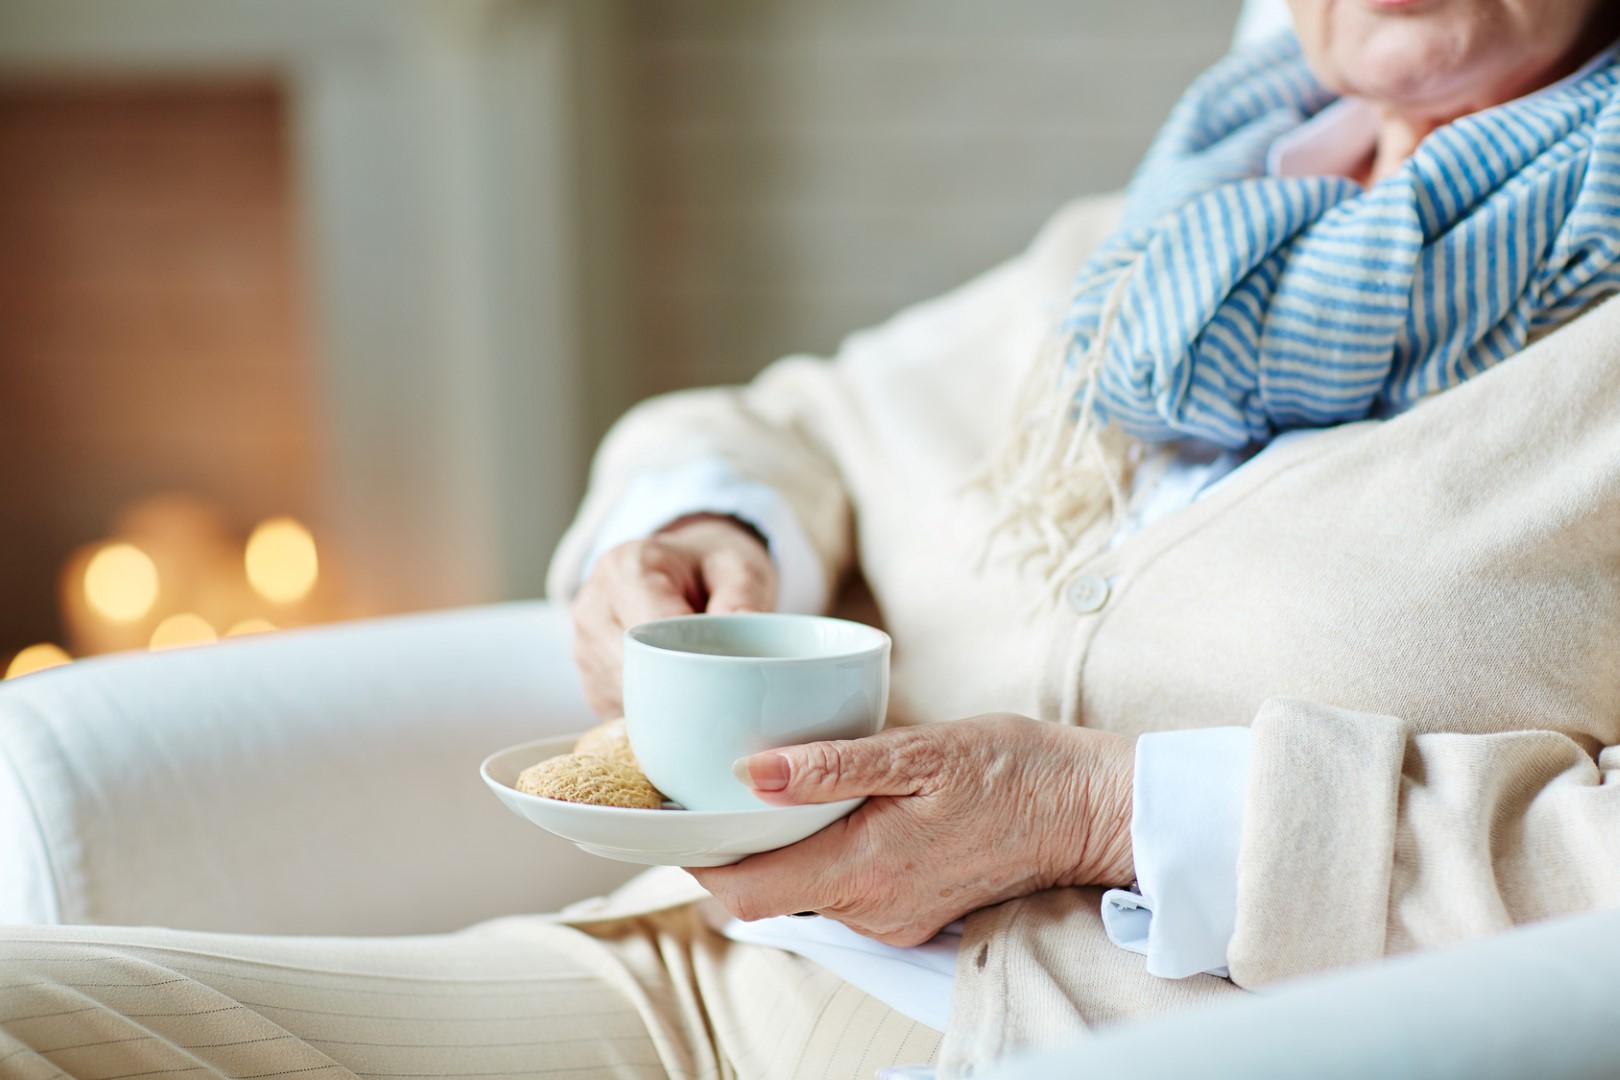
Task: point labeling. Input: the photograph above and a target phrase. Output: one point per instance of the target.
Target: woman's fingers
(739, 580)
(851, 872)
(829, 871)
(781, 882)
(967, 813)
(594, 651)
(900, 761)
(735, 571)
(631, 584)
(705, 562)
(646, 597)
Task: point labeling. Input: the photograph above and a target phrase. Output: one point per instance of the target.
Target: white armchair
(315, 782)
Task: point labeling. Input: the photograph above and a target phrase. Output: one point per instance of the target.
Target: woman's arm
(930, 382)
(1362, 838)
(798, 425)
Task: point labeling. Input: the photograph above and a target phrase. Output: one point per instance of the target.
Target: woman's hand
(702, 562)
(962, 815)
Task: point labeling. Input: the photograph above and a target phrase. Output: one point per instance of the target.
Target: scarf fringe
(1058, 479)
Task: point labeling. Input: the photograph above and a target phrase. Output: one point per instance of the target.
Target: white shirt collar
(1339, 138)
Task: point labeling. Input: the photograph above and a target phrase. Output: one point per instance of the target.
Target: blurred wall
(508, 220)
(803, 169)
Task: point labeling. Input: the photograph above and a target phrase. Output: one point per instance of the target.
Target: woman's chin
(1397, 62)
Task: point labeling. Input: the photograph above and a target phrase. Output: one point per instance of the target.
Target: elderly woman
(1271, 560)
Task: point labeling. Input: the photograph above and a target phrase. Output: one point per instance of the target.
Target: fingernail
(762, 772)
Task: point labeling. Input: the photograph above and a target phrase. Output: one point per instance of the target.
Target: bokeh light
(251, 626)
(178, 631)
(282, 565)
(37, 658)
(121, 583)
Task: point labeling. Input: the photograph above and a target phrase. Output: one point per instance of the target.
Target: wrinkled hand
(699, 563)
(962, 815)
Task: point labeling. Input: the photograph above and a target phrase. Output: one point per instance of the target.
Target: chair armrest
(1538, 1001)
(320, 781)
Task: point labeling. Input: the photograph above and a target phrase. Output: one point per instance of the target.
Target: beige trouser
(656, 995)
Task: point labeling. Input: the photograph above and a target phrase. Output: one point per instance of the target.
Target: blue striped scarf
(1248, 304)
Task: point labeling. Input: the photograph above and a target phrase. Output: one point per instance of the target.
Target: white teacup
(701, 691)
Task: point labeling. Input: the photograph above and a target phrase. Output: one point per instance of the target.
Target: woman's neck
(1398, 136)
(1402, 128)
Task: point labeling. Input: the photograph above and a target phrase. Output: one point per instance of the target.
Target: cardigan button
(1086, 593)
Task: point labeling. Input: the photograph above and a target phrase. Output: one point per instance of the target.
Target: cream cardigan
(1419, 618)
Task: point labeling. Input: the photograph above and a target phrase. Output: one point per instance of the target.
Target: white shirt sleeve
(656, 497)
(1186, 823)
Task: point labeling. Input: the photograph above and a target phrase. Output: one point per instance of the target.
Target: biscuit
(593, 779)
(608, 739)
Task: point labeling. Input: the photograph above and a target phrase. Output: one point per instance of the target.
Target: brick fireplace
(154, 337)
(331, 268)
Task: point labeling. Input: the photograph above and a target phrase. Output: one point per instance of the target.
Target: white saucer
(653, 837)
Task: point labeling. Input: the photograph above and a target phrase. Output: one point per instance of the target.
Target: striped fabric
(1250, 304)
(649, 997)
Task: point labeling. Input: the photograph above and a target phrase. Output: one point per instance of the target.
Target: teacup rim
(882, 642)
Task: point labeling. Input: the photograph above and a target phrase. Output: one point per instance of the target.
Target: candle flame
(37, 658)
(281, 562)
(121, 583)
(178, 631)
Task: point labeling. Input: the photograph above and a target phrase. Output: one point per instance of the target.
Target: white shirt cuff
(1186, 824)
(656, 497)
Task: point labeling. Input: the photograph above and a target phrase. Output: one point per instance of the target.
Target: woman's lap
(644, 997)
